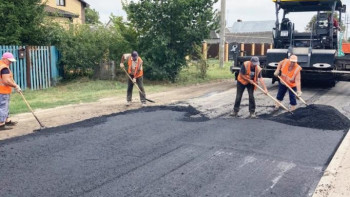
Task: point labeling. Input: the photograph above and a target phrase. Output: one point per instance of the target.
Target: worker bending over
(289, 71)
(250, 72)
(135, 71)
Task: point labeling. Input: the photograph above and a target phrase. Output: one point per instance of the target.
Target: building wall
(73, 6)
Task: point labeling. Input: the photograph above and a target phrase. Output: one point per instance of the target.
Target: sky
(247, 10)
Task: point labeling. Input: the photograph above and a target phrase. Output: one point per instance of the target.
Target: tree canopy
(168, 31)
(92, 16)
(21, 22)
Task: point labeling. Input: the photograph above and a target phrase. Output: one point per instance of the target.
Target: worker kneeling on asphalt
(289, 71)
(135, 71)
(6, 85)
(250, 71)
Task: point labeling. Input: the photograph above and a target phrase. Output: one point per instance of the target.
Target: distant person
(6, 85)
(135, 71)
(289, 71)
(335, 23)
(250, 71)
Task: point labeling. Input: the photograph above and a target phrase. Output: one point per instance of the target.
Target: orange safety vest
(289, 76)
(4, 89)
(138, 72)
(247, 66)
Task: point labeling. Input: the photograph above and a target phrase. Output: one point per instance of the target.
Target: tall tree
(91, 16)
(169, 30)
(21, 22)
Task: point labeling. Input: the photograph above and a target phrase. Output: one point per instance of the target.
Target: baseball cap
(134, 55)
(255, 60)
(8, 56)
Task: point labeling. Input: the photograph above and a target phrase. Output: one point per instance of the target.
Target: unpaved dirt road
(212, 100)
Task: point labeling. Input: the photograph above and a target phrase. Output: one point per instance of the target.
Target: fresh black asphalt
(162, 151)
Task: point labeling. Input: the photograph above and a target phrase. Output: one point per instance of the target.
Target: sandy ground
(214, 100)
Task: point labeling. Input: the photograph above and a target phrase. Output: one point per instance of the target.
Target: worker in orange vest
(289, 70)
(135, 70)
(6, 85)
(250, 71)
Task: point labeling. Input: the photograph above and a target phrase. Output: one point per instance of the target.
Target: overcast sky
(247, 10)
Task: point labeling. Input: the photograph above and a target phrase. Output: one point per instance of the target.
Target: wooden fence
(36, 66)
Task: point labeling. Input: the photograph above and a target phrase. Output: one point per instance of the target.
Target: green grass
(190, 74)
(85, 90)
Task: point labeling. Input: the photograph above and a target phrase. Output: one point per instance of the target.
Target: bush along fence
(36, 66)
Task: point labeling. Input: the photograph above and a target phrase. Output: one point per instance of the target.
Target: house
(65, 11)
(252, 38)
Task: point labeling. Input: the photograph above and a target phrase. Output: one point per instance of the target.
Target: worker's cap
(293, 58)
(134, 55)
(255, 60)
(9, 56)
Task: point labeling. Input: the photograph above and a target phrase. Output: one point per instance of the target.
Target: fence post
(54, 66)
(28, 64)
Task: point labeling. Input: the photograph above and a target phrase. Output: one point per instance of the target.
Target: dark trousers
(240, 90)
(139, 82)
(282, 90)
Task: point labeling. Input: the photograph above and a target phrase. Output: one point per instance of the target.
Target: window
(61, 2)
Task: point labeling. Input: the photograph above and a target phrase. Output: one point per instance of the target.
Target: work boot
(234, 114)
(128, 103)
(293, 107)
(252, 115)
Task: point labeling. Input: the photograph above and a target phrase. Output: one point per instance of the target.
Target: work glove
(18, 89)
(122, 65)
(299, 93)
(276, 73)
(134, 80)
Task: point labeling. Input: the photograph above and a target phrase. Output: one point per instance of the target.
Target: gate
(36, 66)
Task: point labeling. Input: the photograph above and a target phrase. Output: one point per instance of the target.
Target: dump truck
(318, 50)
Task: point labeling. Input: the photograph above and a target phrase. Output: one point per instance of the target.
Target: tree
(169, 30)
(92, 16)
(127, 37)
(21, 22)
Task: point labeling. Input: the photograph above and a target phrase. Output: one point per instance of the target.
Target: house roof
(85, 4)
(55, 11)
(257, 37)
(252, 26)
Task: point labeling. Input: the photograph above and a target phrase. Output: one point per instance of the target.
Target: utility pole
(222, 33)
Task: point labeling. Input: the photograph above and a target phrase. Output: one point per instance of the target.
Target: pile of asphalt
(315, 116)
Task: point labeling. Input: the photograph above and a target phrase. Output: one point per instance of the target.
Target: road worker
(6, 85)
(250, 72)
(135, 70)
(289, 71)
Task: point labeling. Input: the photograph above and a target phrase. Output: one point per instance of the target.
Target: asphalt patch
(314, 116)
(167, 151)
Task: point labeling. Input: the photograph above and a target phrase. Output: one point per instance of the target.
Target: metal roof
(257, 37)
(252, 26)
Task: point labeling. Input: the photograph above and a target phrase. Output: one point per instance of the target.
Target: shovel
(302, 100)
(41, 125)
(273, 98)
(137, 86)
